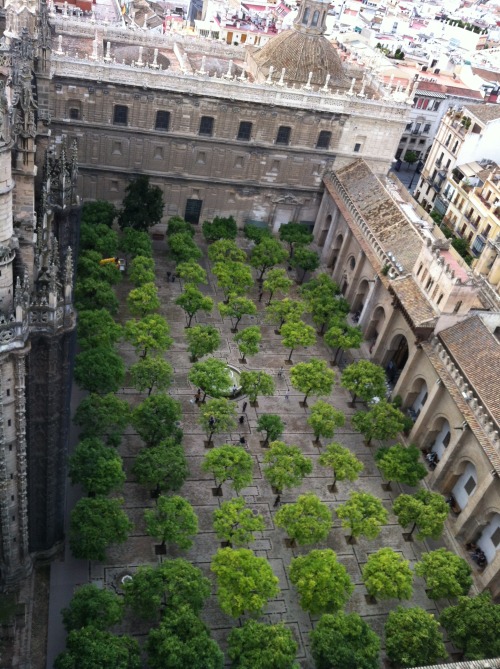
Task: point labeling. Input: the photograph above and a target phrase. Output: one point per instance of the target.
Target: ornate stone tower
(37, 321)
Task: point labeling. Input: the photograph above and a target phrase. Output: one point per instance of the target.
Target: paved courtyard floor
(139, 549)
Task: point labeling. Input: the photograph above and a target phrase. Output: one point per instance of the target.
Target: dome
(300, 53)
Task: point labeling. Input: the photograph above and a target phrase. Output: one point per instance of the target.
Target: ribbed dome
(300, 54)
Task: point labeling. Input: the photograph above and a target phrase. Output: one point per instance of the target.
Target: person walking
(287, 396)
(244, 407)
(242, 420)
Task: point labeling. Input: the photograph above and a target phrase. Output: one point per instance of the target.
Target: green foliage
(363, 514)
(223, 412)
(97, 328)
(387, 574)
(89, 267)
(326, 309)
(255, 233)
(171, 584)
(344, 464)
(272, 425)
(312, 378)
(445, 573)
(344, 641)
(321, 286)
(400, 463)
(182, 641)
(236, 308)
(220, 228)
(343, 338)
(325, 419)
(98, 212)
(151, 373)
(284, 311)
(103, 416)
(306, 260)
(277, 281)
(99, 370)
(295, 234)
(136, 243)
(202, 340)
(173, 520)
(151, 334)
(142, 270)
(142, 205)
(154, 419)
(297, 333)
(94, 607)
(285, 466)
(462, 248)
(256, 383)
(245, 582)
(267, 254)
(412, 638)
(235, 523)
(95, 294)
(364, 379)
(212, 376)
(163, 467)
(436, 216)
(229, 463)
(307, 521)
(233, 278)
(225, 250)
(472, 626)
(410, 157)
(248, 340)
(143, 300)
(182, 248)
(97, 522)
(191, 272)
(322, 582)
(192, 300)
(99, 238)
(383, 421)
(177, 224)
(89, 648)
(97, 467)
(426, 510)
(260, 646)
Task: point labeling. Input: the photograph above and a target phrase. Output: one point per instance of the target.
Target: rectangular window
(193, 211)
(120, 115)
(357, 148)
(283, 136)
(324, 138)
(495, 537)
(470, 485)
(206, 126)
(427, 127)
(162, 120)
(244, 131)
(74, 113)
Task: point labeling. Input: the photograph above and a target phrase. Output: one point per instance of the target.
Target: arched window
(420, 268)
(315, 18)
(439, 299)
(305, 17)
(457, 306)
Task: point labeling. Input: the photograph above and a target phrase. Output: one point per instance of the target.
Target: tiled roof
(413, 301)
(382, 215)
(447, 89)
(476, 351)
(485, 113)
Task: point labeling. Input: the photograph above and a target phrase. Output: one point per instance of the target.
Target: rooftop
(485, 113)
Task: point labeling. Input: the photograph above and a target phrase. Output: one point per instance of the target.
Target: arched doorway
(416, 398)
(465, 486)
(359, 301)
(440, 436)
(324, 232)
(489, 541)
(335, 251)
(397, 357)
(375, 326)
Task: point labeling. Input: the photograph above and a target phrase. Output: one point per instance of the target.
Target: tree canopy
(425, 509)
(183, 249)
(446, 574)
(413, 638)
(383, 421)
(220, 228)
(192, 300)
(173, 520)
(89, 648)
(248, 341)
(236, 308)
(99, 370)
(325, 419)
(229, 463)
(103, 416)
(277, 281)
(363, 514)
(151, 373)
(212, 376)
(295, 234)
(285, 466)
(344, 641)
(312, 378)
(162, 468)
(344, 464)
(306, 521)
(99, 212)
(284, 311)
(387, 574)
(226, 250)
(401, 463)
(97, 467)
(202, 340)
(343, 338)
(266, 255)
(191, 272)
(272, 425)
(97, 522)
(94, 293)
(235, 523)
(142, 205)
(177, 224)
(256, 383)
(94, 607)
(472, 626)
(233, 278)
(136, 243)
(297, 333)
(217, 416)
(143, 300)
(245, 583)
(155, 418)
(97, 328)
(142, 270)
(150, 334)
(260, 646)
(304, 259)
(364, 379)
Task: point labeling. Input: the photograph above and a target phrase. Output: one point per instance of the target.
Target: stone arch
(396, 357)
(315, 19)
(375, 324)
(324, 232)
(359, 300)
(416, 397)
(439, 436)
(489, 540)
(337, 245)
(466, 483)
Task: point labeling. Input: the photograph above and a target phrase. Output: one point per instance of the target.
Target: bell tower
(311, 19)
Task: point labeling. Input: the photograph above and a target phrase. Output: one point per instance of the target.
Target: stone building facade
(427, 322)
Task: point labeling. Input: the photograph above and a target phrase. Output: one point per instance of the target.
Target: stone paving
(139, 549)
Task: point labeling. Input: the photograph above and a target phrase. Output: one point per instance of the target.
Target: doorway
(193, 211)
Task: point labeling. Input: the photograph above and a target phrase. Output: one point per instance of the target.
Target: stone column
(474, 502)
(331, 232)
(367, 307)
(352, 289)
(339, 265)
(380, 345)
